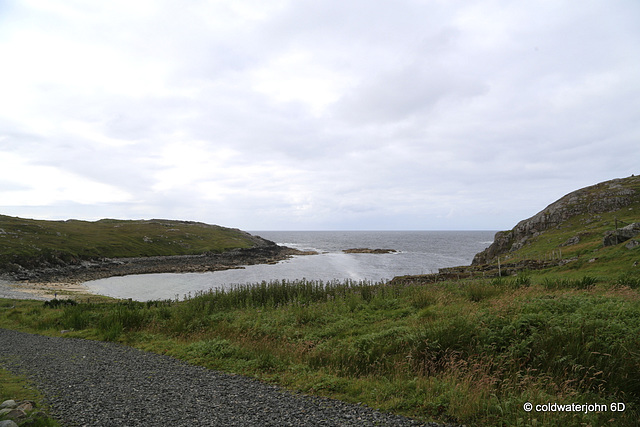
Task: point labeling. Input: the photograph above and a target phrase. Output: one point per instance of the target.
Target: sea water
(418, 252)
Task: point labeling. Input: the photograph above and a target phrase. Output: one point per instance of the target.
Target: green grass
(468, 351)
(30, 242)
(14, 387)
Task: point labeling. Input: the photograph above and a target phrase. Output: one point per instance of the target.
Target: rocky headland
(577, 228)
(590, 202)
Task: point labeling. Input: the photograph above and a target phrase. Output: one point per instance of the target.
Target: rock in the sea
(621, 235)
(368, 251)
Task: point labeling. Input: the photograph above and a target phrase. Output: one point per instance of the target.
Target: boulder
(614, 237)
(572, 241)
(13, 414)
(8, 404)
(27, 406)
(633, 243)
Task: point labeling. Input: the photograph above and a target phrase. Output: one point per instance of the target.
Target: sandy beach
(42, 291)
(67, 281)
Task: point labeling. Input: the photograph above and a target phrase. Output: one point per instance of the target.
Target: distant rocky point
(368, 251)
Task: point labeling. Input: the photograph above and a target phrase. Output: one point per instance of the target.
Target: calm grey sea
(419, 252)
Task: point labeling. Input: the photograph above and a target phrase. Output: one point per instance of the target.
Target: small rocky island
(368, 251)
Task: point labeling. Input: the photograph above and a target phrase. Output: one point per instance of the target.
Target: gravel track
(92, 383)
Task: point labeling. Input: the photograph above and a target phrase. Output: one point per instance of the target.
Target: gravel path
(91, 383)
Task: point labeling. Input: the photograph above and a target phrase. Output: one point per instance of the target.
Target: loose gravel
(92, 383)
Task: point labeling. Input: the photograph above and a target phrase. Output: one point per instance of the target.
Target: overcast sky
(302, 115)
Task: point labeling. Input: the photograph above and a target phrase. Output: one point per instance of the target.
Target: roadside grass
(468, 351)
(17, 388)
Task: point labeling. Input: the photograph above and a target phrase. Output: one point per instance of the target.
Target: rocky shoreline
(50, 277)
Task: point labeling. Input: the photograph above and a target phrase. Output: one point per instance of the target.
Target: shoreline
(67, 281)
(44, 291)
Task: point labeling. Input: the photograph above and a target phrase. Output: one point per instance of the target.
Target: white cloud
(295, 76)
(24, 184)
(314, 114)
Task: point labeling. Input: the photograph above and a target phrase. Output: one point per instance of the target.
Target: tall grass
(471, 352)
(280, 293)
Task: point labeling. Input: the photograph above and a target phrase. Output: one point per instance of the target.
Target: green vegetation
(586, 253)
(29, 243)
(469, 351)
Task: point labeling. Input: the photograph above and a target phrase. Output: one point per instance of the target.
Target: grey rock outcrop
(265, 253)
(632, 244)
(572, 241)
(607, 196)
(621, 235)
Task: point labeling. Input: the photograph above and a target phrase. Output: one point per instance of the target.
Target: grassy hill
(571, 232)
(29, 242)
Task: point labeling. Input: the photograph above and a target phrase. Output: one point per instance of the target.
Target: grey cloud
(445, 116)
(404, 93)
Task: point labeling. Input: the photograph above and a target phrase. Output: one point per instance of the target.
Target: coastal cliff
(607, 204)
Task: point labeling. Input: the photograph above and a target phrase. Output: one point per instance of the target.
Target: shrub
(523, 280)
(56, 303)
(215, 348)
(554, 284)
(628, 279)
(478, 291)
(422, 298)
(76, 317)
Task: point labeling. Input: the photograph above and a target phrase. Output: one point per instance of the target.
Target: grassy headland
(79, 250)
(28, 241)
